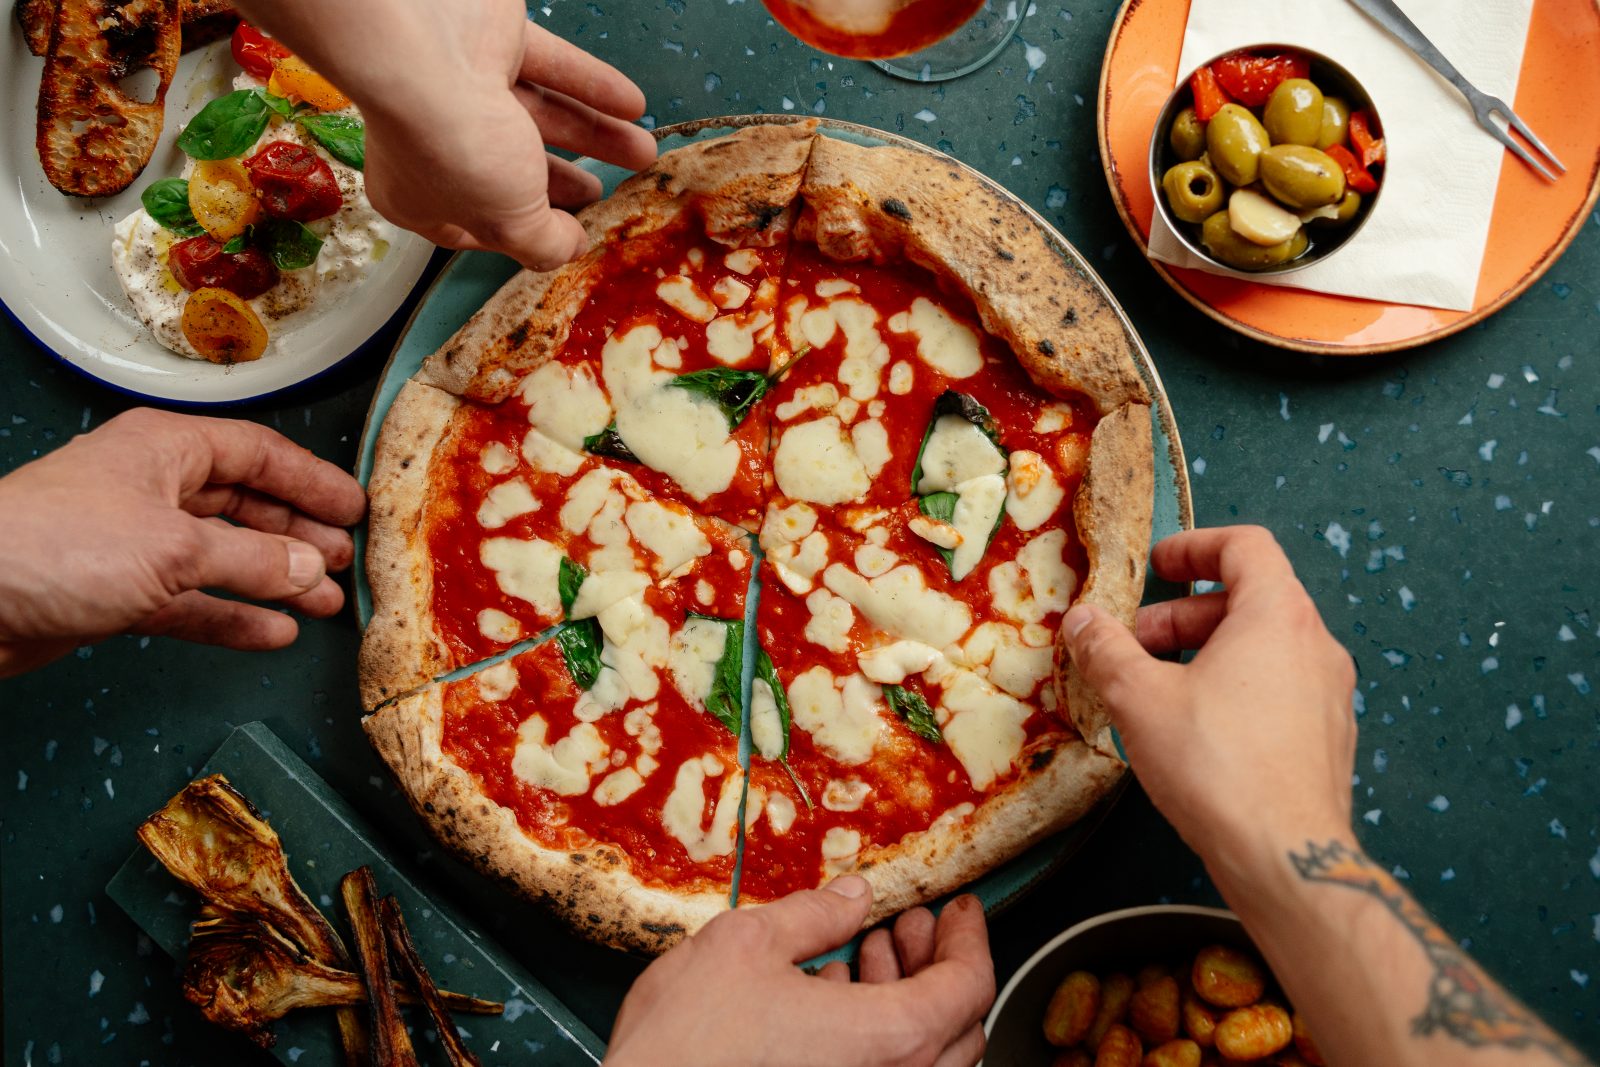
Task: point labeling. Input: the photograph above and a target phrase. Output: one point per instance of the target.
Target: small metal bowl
(1329, 76)
(1116, 941)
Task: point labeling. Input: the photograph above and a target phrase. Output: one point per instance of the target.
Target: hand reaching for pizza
(1251, 744)
(121, 529)
(460, 102)
(731, 995)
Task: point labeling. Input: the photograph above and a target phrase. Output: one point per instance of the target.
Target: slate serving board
(323, 838)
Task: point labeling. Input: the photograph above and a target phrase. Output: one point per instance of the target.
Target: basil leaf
(723, 701)
(291, 244)
(609, 443)
(734, 391)
(167, 201)
(580, 648)
(963, 406)
(941, 507)
(226, 127)
(569, 579)
(345, 138)
(911, 707)
(277, 104)
(236, 243)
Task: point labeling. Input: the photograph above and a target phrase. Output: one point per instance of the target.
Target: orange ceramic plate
(1533, 221)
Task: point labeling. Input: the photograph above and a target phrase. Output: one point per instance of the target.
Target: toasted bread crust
(94, 139)
(204, 21)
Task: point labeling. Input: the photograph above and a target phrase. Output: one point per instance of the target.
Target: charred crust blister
(1041, 759)
(897, 209)
(663, 179)
(1003, 254)
(518, 335)
(764, 214)
(1047, 347)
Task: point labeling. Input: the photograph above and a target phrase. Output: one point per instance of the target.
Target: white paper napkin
(1424, 242)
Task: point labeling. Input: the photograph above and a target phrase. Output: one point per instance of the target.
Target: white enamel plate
(55, 271)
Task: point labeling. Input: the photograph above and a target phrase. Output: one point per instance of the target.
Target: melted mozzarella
(1038, 583)
(982, 726)
(830, 621)
(504, 502)
(588, 497)
(496, 625)
(731, 339)
(931, 530)
(526, 570)
(823, 396)
(766, 725)
(900, 603)
(669, 533)
(943, 343)
(957, 451)
(545, 453)
(891, 664)
(1006, 658)
(684, 812)
(496, 683)
(563, 768)
(730, 293)
(1032, 492)
(780, 813)
(1053, 418)
(640, 722)
(617, 787)
(497, 459)
(978, 508)
(797, 565)
(692, 658)
(840, 848)
(684, 296)
(872, 445)
(840, 714)
(845, 794)
(565, 403)
(815, 461)
(742, 260)
(873, 559)
(901, 377)
(680, 433)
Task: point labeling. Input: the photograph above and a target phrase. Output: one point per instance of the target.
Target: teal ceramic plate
(323, 838)
(471, 278)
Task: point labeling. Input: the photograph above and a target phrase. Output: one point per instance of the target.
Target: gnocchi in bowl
(1158, 986)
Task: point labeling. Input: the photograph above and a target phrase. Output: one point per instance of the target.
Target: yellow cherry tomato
(222, 327)
(294, 79)
(222, 199)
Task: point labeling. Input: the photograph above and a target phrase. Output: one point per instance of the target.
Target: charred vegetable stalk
(404, 952)
(391, 1045)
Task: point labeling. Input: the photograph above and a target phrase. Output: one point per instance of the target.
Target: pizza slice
(598, 771)
(486, 531)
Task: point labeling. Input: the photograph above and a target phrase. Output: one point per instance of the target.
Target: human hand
(731, 995)
(1251, 744)
(460, 101)
(120, 530)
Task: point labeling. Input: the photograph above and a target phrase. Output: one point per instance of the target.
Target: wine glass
(919, 40)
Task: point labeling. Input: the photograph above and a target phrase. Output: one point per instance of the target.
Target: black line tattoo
(1463, 1002)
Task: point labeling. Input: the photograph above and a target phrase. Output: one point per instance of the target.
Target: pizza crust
(741, 188)
(886, 203)
(400, 649)
(1113, 511)
(593, 889)
(1061, 781)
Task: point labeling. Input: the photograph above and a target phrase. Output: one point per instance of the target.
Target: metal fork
(1484, 107)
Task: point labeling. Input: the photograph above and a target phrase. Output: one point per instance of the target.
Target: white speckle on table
(1373, 816)
(96, 980)
(139, 1015)
(1496, 381)
(1283, 406)
(1440, 803)
(1486, 451)
(1513, 716)
(1338, 539)
(1324, 432)
(56, 913)
(1408, 599)
(1200, 465)
(925, 115)
(1565, 633)
(1490, 663)
(111, 790)
(1447, 875)
(1558, 829)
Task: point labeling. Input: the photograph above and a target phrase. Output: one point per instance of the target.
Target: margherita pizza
(776, 497)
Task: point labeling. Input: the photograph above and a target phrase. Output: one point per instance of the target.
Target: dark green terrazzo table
(1442, 506)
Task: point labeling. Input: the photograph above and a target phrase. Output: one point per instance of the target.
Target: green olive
(1228, 247)
(1294, 113)
(1344, 212)
(1188, 135)
(1193, 190)
(1301, 177)
(1235, 141)
(1335, 123)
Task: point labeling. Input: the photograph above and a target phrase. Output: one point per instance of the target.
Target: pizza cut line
(776, 496)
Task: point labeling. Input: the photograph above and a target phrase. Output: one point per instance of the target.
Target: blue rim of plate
(470, 278)
(437, 261)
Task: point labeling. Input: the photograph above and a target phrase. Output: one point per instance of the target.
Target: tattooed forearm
(1463, 1002)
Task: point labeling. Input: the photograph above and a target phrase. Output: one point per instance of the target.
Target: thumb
(1112, 661)
(541, 240)
(809, 923)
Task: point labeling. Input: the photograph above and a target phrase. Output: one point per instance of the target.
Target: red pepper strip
(1250, 79)
(1370, 147)
(1355, 175)
(1209, 96)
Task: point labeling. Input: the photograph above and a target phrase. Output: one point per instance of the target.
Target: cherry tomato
(294, 182)
(257, 53)
(200, 263)
(1250, 79)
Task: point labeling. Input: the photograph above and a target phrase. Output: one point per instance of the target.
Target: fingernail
(850, 885)
(1076, 619)
(305, 565)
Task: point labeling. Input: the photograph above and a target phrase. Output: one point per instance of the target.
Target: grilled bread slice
(204, 21)
(93, 138)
